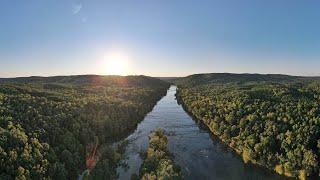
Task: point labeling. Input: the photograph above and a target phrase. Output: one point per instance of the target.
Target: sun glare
(116, 64)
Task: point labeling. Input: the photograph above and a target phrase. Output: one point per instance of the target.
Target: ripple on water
(200, 155)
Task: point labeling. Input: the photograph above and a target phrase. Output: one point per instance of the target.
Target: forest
(57, 127)
(269, 120)
(158, 162)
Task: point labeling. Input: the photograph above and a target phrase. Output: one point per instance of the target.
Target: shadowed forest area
(65, 127)
(49, 126)
(270, 120)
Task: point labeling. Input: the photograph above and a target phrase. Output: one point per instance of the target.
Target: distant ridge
(109, 80)
(208, 78)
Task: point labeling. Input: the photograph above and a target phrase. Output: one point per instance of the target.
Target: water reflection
(201, 155)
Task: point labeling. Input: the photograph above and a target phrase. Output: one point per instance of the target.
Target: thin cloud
(76, 8)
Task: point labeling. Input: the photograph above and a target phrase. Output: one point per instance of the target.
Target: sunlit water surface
(200, 155)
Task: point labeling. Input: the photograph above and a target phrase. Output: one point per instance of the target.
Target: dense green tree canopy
(47, 124)
(158, 163)
(271, 120)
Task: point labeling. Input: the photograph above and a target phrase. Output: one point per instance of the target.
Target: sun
(116, 64)
(116, 67)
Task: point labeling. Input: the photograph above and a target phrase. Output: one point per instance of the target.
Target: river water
(200, 155)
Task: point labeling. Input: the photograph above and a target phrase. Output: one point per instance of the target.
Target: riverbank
(236, 151)
(198, 154)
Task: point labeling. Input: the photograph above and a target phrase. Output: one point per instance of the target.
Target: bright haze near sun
(116, 63)
(159, 37)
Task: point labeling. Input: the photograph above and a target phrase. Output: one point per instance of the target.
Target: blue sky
(159, 37)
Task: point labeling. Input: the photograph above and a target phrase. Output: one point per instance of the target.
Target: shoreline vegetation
(57, 127)
(62, 127)
(269, 120)
(157, 161)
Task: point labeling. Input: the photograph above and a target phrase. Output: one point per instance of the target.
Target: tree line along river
(199, 154)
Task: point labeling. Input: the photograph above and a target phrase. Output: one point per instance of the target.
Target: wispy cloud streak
(76, 8)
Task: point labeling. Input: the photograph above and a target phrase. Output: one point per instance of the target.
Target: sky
(159, 37)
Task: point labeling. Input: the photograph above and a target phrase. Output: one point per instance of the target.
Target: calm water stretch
(200, 155)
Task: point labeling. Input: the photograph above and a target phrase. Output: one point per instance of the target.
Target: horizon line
(65, 75)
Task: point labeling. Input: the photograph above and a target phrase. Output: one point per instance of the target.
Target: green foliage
(21, 155)
(271, 120)
(47, 123)
(158, 163)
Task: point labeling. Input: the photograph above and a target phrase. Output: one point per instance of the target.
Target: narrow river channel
(200, 155)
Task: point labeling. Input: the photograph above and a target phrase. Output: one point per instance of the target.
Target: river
(200, 155)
